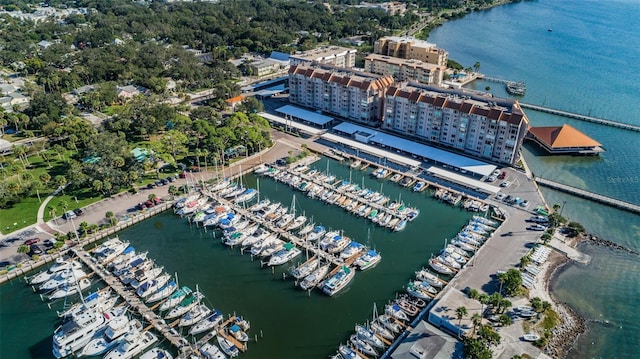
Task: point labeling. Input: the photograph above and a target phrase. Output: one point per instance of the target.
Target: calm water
(293, 324)
(586, 65)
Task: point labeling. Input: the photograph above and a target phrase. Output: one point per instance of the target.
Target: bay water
(580, 56)
(288, 322)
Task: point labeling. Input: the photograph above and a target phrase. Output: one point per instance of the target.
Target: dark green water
(293, 324)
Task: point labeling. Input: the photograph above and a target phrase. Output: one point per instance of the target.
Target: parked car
(183, 174)
(151, 185)
(536, 227)
(524, 203)
(49, 242)
(159, 183)
(491, 179)
(496, 172)
(68, 215)
(500, 196)
(505, 184)
(503, 175)
(78, 211)
(171, 178)
(164, 181)
(35, 249)
(32, 241)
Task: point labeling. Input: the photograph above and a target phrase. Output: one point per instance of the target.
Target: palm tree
(476, 319)
(461, 312)
(60, 181)
(473, 293)
(483, 299)
(52, 211)
(152, 197)
(505, 320)
(64, 205)
(44, 178)
(476, 66)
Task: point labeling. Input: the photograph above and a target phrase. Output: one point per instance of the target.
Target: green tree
(476, 319)
(476, 66)
(45, 178)
(488, 335)
(475, 349)
(505, 320)
(473, 293)
(175, 142)
(512, 280)
(461, 312)
(23, 249)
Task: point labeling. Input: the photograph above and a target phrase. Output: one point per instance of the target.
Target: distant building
(391, 8)
(404, 69)
(564, 140)
(141, 154)
(44, 44)
(484, 127)
(234, 101)
(130, 91)
(264, 67)
(346, 93)
(330, 55)
(411, 48)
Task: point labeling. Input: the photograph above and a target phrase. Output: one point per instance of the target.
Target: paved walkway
(44, 204)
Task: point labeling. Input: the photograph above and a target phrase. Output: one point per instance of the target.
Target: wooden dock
(577, 116)
(219, 330)
(634, 208)
(128, 294)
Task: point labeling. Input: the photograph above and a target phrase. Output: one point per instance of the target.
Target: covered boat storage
(371, 150)
(417, 150)
(463, 180)
(283, 122)
(306, 116)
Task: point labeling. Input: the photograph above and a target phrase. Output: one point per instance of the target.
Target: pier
(133, 300)
(577, 116)
(589, 195)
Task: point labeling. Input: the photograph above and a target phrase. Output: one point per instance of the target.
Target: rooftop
(311, 116)
(564, 136)
(341, 76)
(401, 61)
(323, 53)
(410, 39)
(448, 158)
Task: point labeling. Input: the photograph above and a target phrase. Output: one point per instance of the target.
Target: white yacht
(132, 345)
(162, 292)
(152, 286)
(315, 277)
(210, 351)
(102, 298)
(284, 255)
(62, 278)
(209, 322)
(76, 333)
(338, 281)
(368, 260)
(194, 315)
(156, 353)
(305, 268)
(190, 301)
(175, 298)
(70, 289)
(112, 336)
(61, 265)
(229, 348)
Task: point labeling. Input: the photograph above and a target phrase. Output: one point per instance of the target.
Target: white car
(500, 196)
(505, 184)
(491, 179)
(524, 203)
(496, 172)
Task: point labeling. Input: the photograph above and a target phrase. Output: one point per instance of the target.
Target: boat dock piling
(589, 195)
(133, 300)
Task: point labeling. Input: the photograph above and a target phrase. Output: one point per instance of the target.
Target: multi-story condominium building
(404, 69)
(345, 93)
(484, 127)
(411, 48)
(330, 55)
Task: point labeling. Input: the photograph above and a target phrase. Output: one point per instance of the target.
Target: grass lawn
(111, 110)
(20, 215)
(74, 199)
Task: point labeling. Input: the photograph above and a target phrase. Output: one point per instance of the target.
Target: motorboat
(260, 205)
(146, 276)
(305, 268)
(440, 267)
(432, 279)
(190, 301)
(285, 220)
(238, 333)
(401, 225)
(175, 298)
(116, 329)
(210, 351)
(152, 286)
(352, 249)
(130, 264)
(76, 333)
(316, 233)
(261, 169)
(449, 261)
(62, 278)
(134, 274)
(368, 260)
(419, 187)
(362, 346)
(284, 255)
(407, 306)
(246, 196)
(369, 336)
(194, 315)
(463, 245)
(381, 330)
(258, 236)
(70, 289)
(338, 281)
(348, 353)
(107, 245)
(395, 311)
(110, 254)
(259, 246)
(209, 322)
(389, 323)
(163, 292)
(227, 347)
(102, 298)
(158, 353)
(315, 277)
(421, 290)
(531, 337)
(60, 266)
(132, 345)
(338, 244)
(306, 229)
(297, 223)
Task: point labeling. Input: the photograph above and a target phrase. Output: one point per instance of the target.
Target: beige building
(345, 93)
(411, 48)
(404, 69)
(484, 127)
(264, 67)
(330, 55)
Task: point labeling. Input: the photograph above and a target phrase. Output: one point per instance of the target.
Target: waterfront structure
(404, 69)
(485, 127)
(564, 140)
(346, 93)
(330, 55)
(407, 47)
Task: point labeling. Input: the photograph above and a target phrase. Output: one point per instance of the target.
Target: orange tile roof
(563, 137)
(234, 99)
